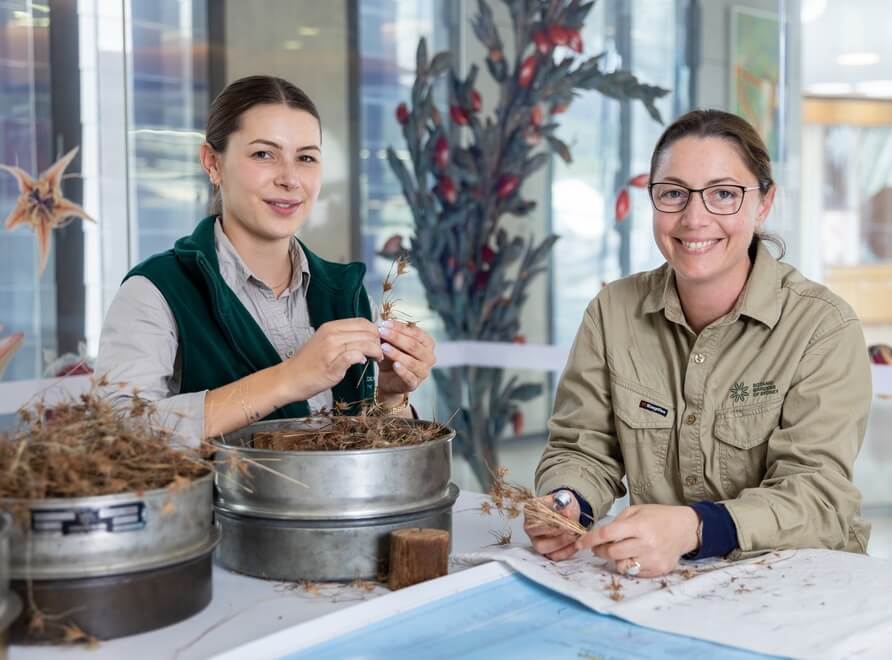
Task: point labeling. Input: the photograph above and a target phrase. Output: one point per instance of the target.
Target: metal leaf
(525, 392)
(560, 148)
(421, 58)
(441, 63)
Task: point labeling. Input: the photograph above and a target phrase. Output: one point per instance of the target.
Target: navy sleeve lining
(719, 531)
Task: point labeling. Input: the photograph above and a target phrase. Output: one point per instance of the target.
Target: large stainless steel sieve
(340, 485)
(114, 565)
(319, 550)
(111, 534)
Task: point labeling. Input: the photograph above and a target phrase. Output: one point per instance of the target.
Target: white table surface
(244, 608)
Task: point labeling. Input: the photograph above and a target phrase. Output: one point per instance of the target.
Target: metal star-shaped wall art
(8, 347)
(41, 203)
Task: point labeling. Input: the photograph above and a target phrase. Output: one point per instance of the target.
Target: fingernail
(397, 365)
(385, 324)
(386, 348)
(383, 331)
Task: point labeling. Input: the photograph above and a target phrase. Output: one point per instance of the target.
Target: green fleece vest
(219, 341)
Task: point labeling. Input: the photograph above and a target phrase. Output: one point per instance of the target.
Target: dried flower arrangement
(464, 177)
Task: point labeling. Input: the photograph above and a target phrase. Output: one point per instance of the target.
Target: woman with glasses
(730, 392)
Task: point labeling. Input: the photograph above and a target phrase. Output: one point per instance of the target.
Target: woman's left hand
(653, 535)
(408, 358)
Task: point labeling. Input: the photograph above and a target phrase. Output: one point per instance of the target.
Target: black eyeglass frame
(743, 192)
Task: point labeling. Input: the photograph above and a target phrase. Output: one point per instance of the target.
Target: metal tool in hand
(562, 499)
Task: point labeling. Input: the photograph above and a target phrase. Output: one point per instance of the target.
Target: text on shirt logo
(652, 407)
(741, 392)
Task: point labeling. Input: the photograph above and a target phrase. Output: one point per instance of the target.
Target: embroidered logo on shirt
(654, 408)
(740, 392)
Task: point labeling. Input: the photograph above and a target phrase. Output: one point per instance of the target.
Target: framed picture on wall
(755, 71)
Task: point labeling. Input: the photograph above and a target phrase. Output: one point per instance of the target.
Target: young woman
(241, 321)
(730, 391)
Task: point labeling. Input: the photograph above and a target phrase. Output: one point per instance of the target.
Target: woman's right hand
(321, 363)
(554, 543)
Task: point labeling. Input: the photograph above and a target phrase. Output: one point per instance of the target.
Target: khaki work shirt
(764, 410)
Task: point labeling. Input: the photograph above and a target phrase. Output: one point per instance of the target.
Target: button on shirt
(763, 411)
(139, 344)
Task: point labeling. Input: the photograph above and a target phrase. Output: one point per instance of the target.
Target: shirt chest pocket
(743, 435)
(644, 424)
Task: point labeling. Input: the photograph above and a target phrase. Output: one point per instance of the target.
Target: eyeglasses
(724, 199)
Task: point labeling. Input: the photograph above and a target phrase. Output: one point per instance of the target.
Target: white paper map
(771, 604)
(487, 612)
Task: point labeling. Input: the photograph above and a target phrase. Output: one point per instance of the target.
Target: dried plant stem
(537, 511)
(512, 500)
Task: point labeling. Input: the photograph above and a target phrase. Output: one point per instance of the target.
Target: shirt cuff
(586, 517)
(719, 533)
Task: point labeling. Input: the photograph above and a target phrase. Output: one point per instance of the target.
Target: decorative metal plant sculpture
(463, 178)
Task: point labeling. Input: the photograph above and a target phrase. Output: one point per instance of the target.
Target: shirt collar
(759, 301)
(235, 271)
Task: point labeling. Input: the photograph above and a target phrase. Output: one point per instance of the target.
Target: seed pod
(507, 185)
(536, 115)
(446, 190)
(622, 205)
(402, 114)
(543, 43)
(459, 115)
(441, 152)
(527, 71)
(517, 422)
(559, 35)
(476, 101)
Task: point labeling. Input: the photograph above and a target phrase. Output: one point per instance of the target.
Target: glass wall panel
(27, 296)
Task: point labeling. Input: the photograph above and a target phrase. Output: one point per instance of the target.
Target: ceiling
(847, 48)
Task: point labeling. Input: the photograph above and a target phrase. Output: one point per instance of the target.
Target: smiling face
(271, 171)
(704, 247)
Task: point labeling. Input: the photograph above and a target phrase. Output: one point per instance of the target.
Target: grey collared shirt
(139, 346)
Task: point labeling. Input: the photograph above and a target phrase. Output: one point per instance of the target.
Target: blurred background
(130, 81)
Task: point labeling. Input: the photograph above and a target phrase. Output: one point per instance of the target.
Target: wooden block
(417, 555)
